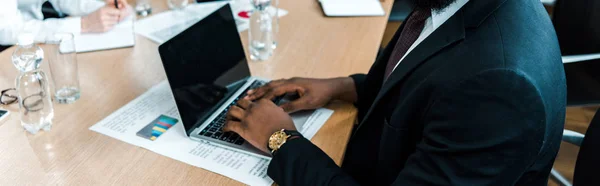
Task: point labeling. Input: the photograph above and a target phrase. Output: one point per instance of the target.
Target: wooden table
(311, 45)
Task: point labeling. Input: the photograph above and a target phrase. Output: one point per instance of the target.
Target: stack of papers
(352, 7)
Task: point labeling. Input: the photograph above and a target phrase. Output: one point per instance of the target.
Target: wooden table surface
(311, 45)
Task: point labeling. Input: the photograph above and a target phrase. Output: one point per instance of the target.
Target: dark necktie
(413, 28)
(50, 12)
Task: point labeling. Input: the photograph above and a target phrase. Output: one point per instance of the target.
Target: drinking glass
(62, 59)
(275, 9)
(142, 7)
(177, 4)
(260, 31)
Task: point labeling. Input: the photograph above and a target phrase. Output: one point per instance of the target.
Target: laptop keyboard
(213, 130)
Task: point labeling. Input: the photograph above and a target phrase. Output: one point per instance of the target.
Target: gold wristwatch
(278, 138)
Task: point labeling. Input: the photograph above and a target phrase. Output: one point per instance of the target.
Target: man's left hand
(257, 121)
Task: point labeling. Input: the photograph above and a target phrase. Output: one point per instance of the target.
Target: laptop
(208, 72)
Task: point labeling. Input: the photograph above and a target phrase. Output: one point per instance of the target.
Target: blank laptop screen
(201, 62)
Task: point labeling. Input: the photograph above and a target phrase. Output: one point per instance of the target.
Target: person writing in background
(85, 16)
(468, 92)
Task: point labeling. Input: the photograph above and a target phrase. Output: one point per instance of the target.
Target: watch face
(277, 139)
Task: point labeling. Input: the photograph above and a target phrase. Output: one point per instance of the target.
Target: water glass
(142, 7)
(177, 4)
(62, 59)
(275, 8)
(260, 31)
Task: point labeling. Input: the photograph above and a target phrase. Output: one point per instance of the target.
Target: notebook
(345, 8)
(120, 36)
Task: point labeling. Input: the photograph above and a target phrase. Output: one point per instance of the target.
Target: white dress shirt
(434, 22)
(18, 16)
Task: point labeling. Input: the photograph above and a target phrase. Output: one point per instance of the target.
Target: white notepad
(120, 36)
(352, 7)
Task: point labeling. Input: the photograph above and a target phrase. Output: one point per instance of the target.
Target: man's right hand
(313, 93)
(105, 18)
(102, 20)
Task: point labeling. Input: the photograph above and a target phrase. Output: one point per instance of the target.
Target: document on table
(345, 8)
(120, 36)
(174, 143)
(163, 26)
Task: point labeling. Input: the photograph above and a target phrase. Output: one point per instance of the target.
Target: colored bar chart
(157, 127)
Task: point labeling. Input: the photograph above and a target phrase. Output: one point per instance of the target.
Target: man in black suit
(467, 93)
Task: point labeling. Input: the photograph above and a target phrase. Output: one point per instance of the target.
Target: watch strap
(291, 134)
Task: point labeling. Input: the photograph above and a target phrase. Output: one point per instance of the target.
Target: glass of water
(62, 59)
(177, 4)
(260, 32)
(142, 7)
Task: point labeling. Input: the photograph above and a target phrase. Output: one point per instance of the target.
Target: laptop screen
(201, 62)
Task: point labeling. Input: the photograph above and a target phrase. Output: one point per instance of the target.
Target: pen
(116, 4)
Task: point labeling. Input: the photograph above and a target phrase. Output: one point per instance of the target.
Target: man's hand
(256, 122)
(124, 8)
(105, 18)
(314, 93)
(121, 3)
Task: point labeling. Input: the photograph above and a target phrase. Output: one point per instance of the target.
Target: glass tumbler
(62, 59)
(143, 7)
(260, 31)
(177, 4)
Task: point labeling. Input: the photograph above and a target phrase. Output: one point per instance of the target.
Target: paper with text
(124, 123)
(352, 8)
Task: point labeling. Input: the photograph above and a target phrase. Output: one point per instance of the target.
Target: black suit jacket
(481, 101)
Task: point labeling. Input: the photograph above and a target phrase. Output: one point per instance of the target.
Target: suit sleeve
(486, 131)
(299, 162)
(359, 84)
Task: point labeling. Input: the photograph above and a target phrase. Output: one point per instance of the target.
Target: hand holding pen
(105, 18)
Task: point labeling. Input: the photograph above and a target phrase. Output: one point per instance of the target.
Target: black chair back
(588, 160)
(577, 26)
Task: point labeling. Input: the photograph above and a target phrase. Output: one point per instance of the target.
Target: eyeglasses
(8, 96)
(32, 103)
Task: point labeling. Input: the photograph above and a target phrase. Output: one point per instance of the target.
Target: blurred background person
(84, 16)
